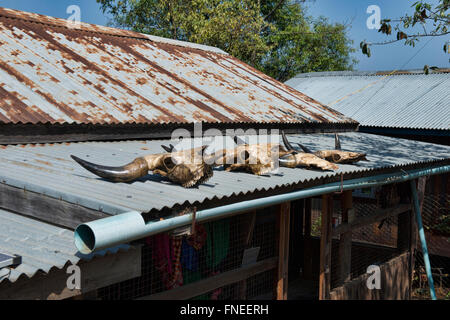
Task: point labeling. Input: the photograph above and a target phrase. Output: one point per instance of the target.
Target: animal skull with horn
(337, 155)
(186, 168)
(298, 158)
(257, 159)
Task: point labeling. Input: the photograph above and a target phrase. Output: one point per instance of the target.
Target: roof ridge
(412, 72)
(94, 28)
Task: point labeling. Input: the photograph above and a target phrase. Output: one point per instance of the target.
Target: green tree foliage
(275, 36)
(434, 22)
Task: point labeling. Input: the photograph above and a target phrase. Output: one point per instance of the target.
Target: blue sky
(352, 12)
(389, 57)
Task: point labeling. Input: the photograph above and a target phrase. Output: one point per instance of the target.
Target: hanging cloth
(218, 242)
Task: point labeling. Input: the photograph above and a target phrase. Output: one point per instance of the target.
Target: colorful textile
(166, 256)
(189, 257)
(198, 239)
(177, 278)
(217, 242)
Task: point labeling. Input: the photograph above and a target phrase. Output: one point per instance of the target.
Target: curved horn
(288, 162)
(239, 141)
(305, 149)
(286, 142)
(134, 170)
(167, 149)
(337, 142)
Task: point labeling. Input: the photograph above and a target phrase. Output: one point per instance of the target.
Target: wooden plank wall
(325, 247)
(284, 214)
(395, 283)
(97, 273)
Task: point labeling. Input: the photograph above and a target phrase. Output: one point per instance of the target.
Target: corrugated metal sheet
(48, 169)
(92, 74)
(406, 100)
(43, 247)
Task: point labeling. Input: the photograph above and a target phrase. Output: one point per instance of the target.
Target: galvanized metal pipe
(423, 241)
(123, 228)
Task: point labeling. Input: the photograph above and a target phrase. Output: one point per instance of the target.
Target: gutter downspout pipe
(426, 258)
(123, 228)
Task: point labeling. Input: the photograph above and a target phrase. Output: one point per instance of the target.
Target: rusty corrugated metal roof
(51, 73)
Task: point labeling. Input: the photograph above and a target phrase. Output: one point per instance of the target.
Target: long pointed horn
(305, 149)
(167, 149)
(288, 162)
(239, 141)
(337, 142)
(286, 142)
(134, 170)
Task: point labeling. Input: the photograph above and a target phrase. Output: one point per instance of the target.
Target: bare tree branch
(409, 36)
(277, 6)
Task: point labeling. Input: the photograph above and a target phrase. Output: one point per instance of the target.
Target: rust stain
(110, 62)
(44, 162)
(190, 86)
(285, 88)
(30, 166)
(17, 111)
(141, 81)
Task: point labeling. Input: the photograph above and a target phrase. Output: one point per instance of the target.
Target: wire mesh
(372, 244)
(436, 222)
(178, 259)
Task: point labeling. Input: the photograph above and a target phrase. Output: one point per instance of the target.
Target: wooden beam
(404, 232)
(345, 242)
(207, 285)
(295, 241)
(377, 216)
(48, 209)
(395, 283)
(284, 214)
(57, 133)
(95, 274)
(325, 248)
(307, 257)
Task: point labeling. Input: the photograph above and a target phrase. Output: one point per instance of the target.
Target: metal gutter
(123, 228)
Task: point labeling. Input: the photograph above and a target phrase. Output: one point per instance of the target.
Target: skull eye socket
(245, 155)
(336, 157)
(168, 163)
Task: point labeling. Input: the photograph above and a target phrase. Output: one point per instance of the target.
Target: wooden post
(414, 231)
(404, 227)
(296, 232)
(307, 258)
(283, 253)
(345, 243)
(325, 247)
